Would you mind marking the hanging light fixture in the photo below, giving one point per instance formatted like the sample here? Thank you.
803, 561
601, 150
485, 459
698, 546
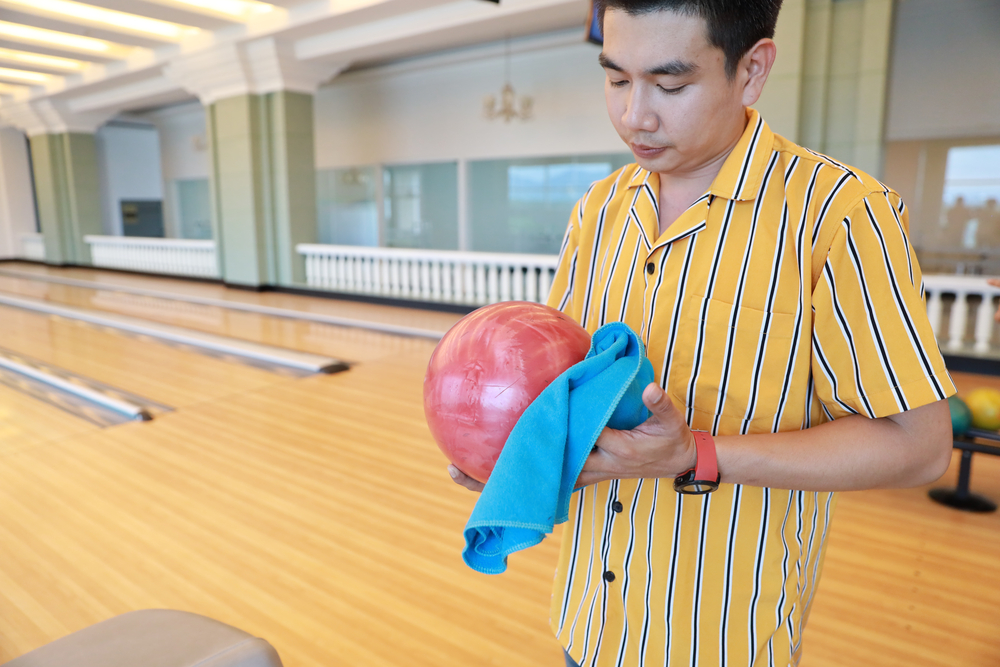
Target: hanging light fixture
508, 106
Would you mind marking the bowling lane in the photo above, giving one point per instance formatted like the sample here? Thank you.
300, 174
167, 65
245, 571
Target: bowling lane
164, 373
26, 421
398, 315
350, 344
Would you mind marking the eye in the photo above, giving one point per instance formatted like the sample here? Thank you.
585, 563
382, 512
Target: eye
617, 84
672, 91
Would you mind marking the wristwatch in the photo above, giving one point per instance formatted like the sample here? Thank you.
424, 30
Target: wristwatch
704, 477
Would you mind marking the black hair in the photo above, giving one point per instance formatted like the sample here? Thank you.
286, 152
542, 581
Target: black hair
734, 26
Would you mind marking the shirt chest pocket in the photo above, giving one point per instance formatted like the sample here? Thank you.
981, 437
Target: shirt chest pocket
730, 361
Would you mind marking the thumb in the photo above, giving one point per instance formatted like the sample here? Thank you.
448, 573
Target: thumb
654, 398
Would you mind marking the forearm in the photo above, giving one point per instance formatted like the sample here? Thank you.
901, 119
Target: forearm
850, 453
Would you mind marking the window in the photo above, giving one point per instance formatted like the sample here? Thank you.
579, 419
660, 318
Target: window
969, 216
523, 205
194, 208
421, 206
346, 207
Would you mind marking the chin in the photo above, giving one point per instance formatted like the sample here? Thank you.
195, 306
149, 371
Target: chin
658, 165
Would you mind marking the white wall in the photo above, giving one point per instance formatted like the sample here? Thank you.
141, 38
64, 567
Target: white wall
17, 204
129, 159
183, 141
431, 109
945, 79
183, 154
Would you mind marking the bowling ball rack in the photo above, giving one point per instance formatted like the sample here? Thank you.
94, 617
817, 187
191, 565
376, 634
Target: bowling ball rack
961, 498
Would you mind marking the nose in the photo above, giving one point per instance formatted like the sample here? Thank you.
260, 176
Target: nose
639, 113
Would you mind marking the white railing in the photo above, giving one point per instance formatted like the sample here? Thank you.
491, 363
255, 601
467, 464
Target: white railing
953, 330
33, 247
960, 308
448, 276
185, 257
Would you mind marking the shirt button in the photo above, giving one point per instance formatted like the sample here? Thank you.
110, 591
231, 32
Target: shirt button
617, 506
609, 576
650, 268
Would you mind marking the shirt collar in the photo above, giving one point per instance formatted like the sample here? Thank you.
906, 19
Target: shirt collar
743, 171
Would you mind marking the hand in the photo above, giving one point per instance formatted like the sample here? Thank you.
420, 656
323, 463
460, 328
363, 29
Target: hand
464, 480
661, 446
995, 283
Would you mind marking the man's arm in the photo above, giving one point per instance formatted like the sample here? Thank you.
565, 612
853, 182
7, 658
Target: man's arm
851, 453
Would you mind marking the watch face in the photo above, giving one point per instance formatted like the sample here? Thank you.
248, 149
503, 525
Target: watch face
697, 487
686, 483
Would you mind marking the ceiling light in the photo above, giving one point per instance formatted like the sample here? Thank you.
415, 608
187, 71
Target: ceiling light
39, 60
105, 17
9, 89
42, 36
237, 8
21, 75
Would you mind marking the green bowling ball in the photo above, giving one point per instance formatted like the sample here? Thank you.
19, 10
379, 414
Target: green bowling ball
961, 416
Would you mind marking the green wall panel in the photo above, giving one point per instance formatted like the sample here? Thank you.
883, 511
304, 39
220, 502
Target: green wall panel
263, 189
68, 191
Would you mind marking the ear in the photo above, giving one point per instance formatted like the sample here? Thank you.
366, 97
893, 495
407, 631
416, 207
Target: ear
756, 65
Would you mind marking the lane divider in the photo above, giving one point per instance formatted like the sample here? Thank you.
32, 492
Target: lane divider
287, 313
278, 356
123, 407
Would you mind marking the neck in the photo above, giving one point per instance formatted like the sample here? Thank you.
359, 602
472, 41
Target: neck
678, 190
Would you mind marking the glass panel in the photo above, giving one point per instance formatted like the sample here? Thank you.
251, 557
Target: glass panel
523, 205
421, 206
346, 207
970, 219
194, 208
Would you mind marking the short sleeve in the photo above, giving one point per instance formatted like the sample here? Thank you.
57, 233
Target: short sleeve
561, 291
874, 352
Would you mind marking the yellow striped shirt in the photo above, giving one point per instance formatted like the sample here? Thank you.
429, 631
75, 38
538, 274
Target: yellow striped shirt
786, 296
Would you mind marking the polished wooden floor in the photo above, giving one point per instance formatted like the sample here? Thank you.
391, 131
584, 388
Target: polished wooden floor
315, 512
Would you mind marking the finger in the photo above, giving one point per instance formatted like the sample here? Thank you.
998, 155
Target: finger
588, 478
462, 479
654, 398
595, 469
597, 460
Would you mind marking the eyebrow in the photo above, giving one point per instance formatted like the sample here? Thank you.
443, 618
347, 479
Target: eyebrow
672, 68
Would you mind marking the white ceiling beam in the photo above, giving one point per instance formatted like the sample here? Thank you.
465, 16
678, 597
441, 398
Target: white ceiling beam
318, 16
133, 96
455, 16
99, 77
259, 67
204, 19
288, 3
51, 117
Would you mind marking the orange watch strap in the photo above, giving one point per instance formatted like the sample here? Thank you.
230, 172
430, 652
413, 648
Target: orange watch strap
707, 465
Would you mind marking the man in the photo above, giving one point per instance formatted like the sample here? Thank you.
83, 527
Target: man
781, 307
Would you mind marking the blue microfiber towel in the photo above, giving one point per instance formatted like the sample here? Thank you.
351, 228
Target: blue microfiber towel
529, 490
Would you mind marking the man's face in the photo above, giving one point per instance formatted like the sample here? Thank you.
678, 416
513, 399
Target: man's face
667, 91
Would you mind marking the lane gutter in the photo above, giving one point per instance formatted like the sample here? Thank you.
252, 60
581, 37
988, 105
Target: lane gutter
312, 363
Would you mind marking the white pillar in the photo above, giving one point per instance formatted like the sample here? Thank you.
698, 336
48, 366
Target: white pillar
463, 205
17, 204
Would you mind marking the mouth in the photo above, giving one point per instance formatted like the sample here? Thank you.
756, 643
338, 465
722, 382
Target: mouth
643, 151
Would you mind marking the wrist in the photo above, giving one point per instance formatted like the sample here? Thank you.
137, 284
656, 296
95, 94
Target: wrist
691, 454
703, 476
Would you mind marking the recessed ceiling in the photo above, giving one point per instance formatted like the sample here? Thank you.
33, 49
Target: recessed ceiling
114, 52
